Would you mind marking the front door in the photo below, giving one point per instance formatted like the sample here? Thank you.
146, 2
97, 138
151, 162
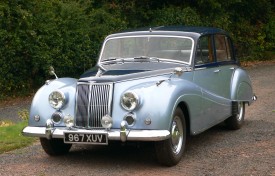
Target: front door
206, 76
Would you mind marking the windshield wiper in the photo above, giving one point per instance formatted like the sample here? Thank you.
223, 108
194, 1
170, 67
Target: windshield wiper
145, 59
113, 60
118, 60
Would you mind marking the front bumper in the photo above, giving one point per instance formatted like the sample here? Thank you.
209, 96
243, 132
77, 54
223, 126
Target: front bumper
113, 134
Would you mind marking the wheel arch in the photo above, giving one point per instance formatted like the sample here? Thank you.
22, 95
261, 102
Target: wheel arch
184, 107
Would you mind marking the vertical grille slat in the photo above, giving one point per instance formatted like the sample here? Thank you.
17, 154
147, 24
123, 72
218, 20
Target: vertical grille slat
98, 107
92, 103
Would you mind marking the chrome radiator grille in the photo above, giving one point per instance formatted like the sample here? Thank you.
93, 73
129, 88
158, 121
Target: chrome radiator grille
93, 101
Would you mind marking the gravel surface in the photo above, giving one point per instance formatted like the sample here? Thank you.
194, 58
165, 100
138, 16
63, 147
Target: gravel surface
10, 109
248, 151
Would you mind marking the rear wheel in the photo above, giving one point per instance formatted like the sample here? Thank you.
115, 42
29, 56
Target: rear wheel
237, 119
170, 151
55, 147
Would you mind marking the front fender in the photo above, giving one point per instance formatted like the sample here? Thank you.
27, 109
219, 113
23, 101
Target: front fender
159, 102
40, 105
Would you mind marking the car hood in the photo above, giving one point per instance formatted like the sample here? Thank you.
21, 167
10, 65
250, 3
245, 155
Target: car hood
122, 72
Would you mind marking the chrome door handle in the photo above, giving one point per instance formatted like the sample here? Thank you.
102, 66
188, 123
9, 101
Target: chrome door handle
217, 71
232, 68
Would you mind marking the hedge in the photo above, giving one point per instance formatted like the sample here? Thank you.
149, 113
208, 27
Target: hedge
67, 34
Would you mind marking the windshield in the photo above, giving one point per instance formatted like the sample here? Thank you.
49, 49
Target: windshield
162, 47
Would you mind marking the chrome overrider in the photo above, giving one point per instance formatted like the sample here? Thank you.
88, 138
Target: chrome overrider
123, 134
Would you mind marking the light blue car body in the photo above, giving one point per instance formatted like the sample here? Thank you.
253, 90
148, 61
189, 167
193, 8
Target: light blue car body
204, 92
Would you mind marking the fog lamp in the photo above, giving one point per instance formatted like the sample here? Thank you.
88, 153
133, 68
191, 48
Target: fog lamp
130, 119
57, 117
107, 121
69, 121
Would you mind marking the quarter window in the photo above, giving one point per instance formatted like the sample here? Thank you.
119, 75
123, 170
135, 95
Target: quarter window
223, 48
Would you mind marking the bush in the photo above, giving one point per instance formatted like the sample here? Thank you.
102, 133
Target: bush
176, 16
38, 34
68, 34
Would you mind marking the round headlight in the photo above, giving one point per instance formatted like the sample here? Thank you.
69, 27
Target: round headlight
57, 99
129, 101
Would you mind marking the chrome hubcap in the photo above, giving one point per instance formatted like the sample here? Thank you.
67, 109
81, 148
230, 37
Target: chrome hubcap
177, 135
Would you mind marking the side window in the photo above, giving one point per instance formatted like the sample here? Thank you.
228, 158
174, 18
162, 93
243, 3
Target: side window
204, 51
223, 48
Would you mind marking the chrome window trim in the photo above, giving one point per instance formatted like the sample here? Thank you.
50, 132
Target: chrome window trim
158, 35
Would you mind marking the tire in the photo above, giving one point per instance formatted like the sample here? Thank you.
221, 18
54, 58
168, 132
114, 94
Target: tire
169, 152
55, 147
236, 121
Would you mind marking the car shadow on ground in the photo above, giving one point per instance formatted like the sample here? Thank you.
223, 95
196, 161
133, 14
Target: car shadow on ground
132, 154
115, 152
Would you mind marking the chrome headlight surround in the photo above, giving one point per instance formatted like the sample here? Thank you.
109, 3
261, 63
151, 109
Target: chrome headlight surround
129, 101
57, 99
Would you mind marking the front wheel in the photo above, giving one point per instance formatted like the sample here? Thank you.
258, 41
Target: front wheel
236, 120
55, 147
170, 151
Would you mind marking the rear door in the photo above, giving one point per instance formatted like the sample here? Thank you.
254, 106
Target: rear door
214, 67
224, 58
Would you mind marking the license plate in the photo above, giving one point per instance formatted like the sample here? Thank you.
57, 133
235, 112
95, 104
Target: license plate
85, 138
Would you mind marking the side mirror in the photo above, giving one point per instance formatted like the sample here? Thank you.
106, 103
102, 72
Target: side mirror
51, 71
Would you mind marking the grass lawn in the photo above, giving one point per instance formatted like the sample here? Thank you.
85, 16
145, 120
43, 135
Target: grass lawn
11, 137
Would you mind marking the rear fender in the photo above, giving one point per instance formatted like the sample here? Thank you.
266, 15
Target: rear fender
241, 87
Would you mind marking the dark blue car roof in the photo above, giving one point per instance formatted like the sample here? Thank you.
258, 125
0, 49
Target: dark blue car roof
191, 31
200, 30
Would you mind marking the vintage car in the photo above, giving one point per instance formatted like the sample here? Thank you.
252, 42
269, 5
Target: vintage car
152, 84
